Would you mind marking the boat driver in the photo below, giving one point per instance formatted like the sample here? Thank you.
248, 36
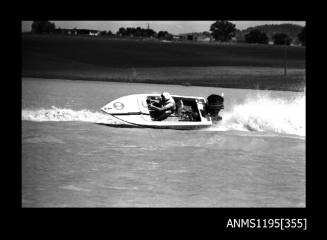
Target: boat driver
164, 108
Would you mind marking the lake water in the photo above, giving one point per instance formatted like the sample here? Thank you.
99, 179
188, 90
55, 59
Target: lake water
255, 157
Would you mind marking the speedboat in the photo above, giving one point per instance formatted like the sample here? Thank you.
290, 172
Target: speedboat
191, 112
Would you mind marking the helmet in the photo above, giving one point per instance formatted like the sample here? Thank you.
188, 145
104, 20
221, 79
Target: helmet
166, 95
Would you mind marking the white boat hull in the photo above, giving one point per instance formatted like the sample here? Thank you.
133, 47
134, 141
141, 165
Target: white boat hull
133, 109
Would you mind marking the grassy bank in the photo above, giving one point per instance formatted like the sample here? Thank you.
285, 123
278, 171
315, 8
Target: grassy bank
236, 66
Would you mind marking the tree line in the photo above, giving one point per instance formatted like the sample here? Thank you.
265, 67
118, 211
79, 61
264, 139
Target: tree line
225, 31
222, 31
40, 27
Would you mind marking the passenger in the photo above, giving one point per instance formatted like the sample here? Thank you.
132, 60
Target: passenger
165, 108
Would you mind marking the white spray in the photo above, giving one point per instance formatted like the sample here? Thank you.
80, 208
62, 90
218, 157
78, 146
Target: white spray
265, 114
260, 113
60, 114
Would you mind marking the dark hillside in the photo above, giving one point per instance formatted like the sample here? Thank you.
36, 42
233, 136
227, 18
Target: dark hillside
131, 53
292, 30
190, 64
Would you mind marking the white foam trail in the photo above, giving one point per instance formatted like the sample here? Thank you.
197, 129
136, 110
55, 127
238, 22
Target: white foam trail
265, 114
260, 113
59, 114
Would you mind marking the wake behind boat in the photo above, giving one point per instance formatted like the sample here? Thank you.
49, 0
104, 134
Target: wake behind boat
190, 113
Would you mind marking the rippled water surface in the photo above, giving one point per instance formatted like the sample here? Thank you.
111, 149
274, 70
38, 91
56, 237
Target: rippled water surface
255, 157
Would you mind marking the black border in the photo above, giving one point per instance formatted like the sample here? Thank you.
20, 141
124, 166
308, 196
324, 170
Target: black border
188, 220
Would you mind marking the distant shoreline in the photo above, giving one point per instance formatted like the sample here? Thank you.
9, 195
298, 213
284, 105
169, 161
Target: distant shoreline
252, 80
228, 66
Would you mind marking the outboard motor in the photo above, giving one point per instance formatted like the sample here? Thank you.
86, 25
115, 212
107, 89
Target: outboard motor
213, 106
